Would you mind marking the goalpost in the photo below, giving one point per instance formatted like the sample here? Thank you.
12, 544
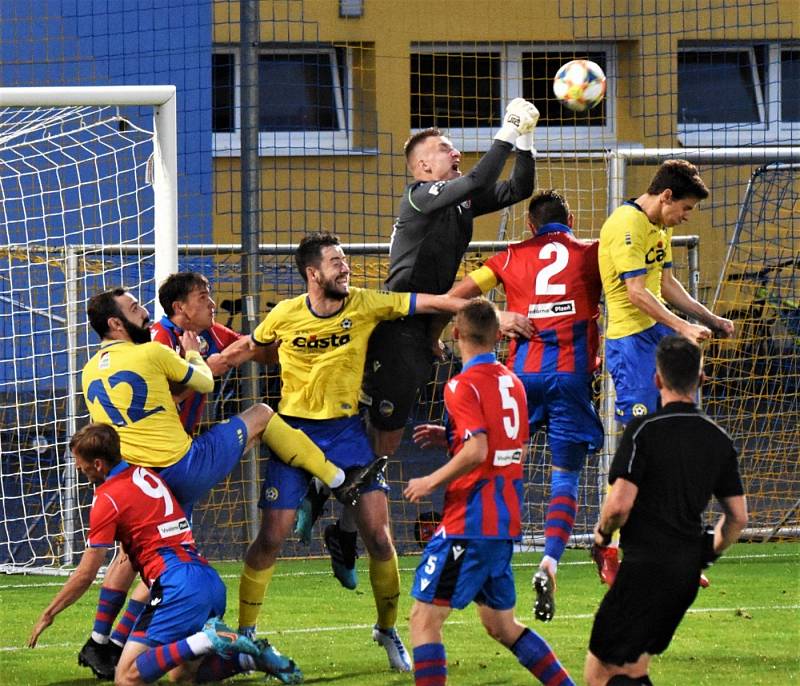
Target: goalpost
83, 166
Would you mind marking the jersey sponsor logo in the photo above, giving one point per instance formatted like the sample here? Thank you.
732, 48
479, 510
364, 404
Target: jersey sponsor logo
458, 551
173, 528
503, 458
436, 188
655, 254
312, 342
546, 310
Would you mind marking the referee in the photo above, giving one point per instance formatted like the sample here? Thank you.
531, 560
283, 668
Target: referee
664, 473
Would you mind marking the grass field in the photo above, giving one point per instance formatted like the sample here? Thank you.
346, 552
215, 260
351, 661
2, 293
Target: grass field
744, 629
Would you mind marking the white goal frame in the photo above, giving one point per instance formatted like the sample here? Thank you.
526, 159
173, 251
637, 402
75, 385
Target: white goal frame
163, 100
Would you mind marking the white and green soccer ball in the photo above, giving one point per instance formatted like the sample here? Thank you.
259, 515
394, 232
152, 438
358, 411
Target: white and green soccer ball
580, 85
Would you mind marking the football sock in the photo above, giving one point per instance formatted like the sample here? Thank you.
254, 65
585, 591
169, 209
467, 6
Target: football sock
536, 656
129, 618
624, 680
430, 665
252, 587
561, 512
296, 449
216, 668
108, 607
156, 662
384, 577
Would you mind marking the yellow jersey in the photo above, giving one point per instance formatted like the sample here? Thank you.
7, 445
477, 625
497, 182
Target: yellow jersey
631, 245
322, 358
127, 385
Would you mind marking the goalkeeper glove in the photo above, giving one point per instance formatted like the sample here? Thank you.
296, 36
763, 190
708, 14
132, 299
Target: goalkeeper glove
525, 143
709, 557
521, 117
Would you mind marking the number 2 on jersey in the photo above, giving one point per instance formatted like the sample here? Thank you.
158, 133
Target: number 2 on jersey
545, 285
97, 391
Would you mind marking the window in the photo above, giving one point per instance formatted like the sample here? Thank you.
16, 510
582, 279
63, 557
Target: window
737, 94
464, 90
303, 101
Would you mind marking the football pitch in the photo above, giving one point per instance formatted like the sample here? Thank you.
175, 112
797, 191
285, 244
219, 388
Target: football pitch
744, 629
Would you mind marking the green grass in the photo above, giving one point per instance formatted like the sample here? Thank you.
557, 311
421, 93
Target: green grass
744, 629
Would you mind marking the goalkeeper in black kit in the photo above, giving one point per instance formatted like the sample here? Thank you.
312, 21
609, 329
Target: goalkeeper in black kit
431, 234
664, 473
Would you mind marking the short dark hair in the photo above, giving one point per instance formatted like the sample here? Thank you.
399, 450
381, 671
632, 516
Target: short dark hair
177, 287
548, 206
681, 177
679, 363
478, 322
309, 252
97, 442
102, 306
417, 138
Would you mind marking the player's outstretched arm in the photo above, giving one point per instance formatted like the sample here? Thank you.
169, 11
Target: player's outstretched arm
434, 304
677, 296
80, 581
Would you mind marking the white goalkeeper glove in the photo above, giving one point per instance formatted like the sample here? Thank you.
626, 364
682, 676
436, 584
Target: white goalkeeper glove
525, 142
520, 118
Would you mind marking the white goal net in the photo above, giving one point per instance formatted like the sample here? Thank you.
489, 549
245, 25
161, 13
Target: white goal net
77, 175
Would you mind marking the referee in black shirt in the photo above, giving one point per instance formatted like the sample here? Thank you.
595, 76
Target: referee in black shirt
664, 473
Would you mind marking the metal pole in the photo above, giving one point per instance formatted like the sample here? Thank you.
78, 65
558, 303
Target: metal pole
251, 225
70, 481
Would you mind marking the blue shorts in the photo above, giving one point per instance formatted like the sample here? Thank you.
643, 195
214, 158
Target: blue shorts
563, 402
181, 600
456, 571
344, 442
631, 361
212, 456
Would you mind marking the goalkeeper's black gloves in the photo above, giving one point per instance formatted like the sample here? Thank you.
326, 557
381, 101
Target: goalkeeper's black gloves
709, 557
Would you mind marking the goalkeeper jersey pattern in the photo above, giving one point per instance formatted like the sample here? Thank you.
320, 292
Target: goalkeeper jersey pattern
135, 507
486, 502
322, 358
553, 279
127, 385
631, 245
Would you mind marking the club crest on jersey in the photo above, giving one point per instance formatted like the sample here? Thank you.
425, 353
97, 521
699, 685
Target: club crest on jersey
271, 494
314, 342
203, 345
347, 324
639, 410
544, 310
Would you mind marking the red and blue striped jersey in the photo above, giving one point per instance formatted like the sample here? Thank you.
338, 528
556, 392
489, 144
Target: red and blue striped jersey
554, 279
486, 398
213, 340
135, 507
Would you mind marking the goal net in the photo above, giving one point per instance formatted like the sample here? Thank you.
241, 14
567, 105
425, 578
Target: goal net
80, 169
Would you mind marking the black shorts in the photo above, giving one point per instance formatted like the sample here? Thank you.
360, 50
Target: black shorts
399, 363
643, 608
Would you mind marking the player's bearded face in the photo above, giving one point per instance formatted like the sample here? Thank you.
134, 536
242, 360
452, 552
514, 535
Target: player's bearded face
138, 333
333, 274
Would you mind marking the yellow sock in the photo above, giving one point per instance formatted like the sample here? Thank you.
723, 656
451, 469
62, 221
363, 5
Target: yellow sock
384, 577
252, 587
294, 448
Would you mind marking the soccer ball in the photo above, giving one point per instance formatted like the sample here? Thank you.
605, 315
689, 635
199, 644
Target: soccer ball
580, 85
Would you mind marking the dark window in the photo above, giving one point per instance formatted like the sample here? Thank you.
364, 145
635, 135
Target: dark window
538, 71
297, 92
716, 87
222, 92
790, 85
455, 90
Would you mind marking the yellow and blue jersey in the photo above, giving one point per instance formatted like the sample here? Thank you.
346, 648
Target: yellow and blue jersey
630, 245
127, 385
322, 358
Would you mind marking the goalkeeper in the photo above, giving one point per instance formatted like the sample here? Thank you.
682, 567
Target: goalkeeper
663, 475
431, 234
